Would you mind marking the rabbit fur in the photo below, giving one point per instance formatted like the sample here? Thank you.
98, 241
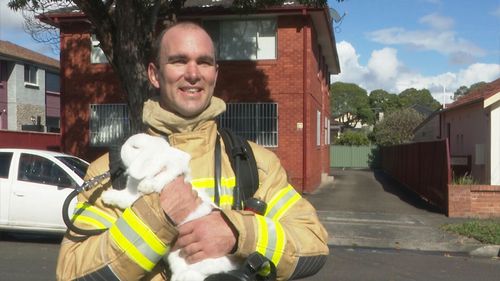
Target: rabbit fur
152, 163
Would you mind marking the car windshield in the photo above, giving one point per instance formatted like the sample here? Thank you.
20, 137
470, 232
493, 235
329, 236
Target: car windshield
75, 164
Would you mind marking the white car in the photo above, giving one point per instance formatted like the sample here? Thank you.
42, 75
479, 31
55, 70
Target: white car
33, 187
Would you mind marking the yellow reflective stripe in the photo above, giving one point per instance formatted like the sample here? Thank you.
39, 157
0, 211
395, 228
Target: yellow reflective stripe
271, 239
262, 234
91, 221
226, 200
229, 182
287, 206
87, 206
145, 232
281, 202
137, 240
226, 192
280, 244
203, 183
89, 214
210, 182
132, 252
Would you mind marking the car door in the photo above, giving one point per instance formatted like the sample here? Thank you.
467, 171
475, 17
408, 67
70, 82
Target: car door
5, 167
38, 193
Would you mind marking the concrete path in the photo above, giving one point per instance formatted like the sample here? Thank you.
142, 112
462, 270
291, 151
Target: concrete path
367, 209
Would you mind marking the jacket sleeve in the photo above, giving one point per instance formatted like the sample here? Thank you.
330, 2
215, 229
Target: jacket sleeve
131, 245
290, 233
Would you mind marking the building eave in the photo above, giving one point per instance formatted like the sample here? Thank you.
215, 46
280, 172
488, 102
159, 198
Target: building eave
491, 100
320, 16
15, 53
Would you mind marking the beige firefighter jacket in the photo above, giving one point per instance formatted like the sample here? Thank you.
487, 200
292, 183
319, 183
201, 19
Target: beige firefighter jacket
131, 248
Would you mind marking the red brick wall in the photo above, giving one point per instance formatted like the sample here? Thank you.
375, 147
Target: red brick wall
82, 84
481, 201
280, 81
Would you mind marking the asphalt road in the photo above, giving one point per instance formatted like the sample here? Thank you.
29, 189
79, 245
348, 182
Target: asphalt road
377, 232
24, 258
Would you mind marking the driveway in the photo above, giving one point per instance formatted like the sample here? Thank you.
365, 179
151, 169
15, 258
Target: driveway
367, 209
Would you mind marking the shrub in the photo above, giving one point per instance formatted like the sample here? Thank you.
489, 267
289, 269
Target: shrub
350, 137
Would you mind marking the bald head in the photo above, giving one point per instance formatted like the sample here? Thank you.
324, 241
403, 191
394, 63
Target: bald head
184, 26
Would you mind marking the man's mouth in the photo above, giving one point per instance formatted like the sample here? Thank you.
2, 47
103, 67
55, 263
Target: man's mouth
191, 90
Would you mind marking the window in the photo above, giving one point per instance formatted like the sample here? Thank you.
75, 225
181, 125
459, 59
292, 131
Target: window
96, 53
52, 83
318, 128
30, 72
5, 160
257, 122
53, 124
327, 130
37, 169
109, 124
243, 39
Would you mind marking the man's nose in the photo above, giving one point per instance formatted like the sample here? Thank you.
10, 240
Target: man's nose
192, 73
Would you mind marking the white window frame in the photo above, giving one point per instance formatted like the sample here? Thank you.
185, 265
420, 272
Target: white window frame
231, 48
318, 128
96, 53
31, 72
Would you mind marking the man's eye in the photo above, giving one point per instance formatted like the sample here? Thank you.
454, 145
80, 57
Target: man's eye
177, 62
206, 63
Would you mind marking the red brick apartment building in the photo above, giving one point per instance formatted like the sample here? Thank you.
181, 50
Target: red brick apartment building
283, 83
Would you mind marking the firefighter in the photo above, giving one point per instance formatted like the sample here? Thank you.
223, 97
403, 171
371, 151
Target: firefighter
289, 234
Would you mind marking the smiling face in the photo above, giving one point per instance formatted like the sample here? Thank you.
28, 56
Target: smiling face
186, 70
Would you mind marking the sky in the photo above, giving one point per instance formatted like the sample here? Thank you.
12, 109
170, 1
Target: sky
438, 45
392, 45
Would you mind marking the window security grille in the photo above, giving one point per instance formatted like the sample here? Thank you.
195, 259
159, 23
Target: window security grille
109, 124
257, 122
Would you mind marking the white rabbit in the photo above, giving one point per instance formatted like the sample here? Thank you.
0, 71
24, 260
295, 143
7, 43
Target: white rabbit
152, 163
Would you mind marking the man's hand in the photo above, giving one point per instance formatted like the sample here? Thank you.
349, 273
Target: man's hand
178, 199
207, 237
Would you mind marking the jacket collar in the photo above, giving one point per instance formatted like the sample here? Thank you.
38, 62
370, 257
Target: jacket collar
165, 122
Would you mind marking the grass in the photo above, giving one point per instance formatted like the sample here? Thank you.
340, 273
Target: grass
485, 231
466, 179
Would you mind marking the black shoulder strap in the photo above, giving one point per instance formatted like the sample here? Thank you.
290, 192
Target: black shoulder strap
244, 166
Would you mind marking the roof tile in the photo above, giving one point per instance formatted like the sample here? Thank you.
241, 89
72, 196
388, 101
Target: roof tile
9, 49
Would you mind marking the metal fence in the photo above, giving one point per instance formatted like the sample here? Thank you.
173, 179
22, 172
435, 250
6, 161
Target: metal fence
257, 122
343, 156
109, 124
423, 167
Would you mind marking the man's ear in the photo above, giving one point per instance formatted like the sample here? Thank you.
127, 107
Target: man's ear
153, 75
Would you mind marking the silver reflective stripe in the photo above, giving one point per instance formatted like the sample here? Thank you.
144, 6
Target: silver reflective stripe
307, 266
137, 240
102, 274
290, 193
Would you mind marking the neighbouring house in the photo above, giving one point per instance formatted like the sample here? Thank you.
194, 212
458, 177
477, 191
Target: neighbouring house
472, 126
276, 89
29, 90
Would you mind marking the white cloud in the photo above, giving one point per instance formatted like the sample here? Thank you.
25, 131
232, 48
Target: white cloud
385, 71
439, 37
384, 64
437, 21
9, 19
496, 12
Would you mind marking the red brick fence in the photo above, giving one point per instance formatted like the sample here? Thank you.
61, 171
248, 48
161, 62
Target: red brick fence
473, 201
425, 169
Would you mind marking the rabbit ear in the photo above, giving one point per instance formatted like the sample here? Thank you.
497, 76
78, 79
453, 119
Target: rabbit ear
141, 152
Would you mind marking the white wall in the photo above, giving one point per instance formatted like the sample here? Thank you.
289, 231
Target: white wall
469, 127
